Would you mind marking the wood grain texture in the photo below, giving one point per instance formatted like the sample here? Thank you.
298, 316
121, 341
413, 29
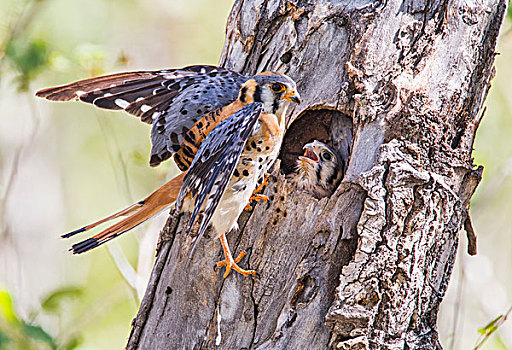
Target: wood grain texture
368, 267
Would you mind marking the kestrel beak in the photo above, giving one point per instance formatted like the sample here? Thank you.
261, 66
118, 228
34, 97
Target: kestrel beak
309, 155
292, 96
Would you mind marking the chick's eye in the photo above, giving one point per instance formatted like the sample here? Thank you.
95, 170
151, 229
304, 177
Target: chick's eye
326, 155
276, 87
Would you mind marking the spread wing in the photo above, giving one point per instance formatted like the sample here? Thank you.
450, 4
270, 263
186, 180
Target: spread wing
213, 166
173, 100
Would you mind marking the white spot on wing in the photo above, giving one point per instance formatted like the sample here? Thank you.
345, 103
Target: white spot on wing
174, 75
80, 93
108, 94
121, 103
145, 108
139, 99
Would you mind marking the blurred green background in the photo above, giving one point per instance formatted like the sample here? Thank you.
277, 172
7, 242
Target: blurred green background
64, 165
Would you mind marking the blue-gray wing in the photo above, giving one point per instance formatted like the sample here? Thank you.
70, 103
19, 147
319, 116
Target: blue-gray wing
214, 163
209, 93
172, 99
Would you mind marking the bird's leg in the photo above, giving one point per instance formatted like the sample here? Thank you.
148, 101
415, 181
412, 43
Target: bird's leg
255, 194
230, 262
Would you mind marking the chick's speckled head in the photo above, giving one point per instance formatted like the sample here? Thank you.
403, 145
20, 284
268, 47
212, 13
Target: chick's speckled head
319, 170
274, 90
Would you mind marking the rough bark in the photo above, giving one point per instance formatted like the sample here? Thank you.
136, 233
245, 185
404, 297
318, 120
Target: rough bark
398, 88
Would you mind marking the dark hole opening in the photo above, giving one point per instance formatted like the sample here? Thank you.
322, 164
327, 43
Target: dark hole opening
286, 57
331, 127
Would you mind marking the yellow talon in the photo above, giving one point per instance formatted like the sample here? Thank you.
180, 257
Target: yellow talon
258, 197
231, 263
248, 207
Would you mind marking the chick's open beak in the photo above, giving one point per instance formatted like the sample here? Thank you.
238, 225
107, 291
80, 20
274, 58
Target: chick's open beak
292, 96
309, 155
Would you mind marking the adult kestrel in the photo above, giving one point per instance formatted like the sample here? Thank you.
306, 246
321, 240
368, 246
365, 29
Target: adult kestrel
223, 128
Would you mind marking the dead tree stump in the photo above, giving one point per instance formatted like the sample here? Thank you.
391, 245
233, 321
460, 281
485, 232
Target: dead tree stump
397, 87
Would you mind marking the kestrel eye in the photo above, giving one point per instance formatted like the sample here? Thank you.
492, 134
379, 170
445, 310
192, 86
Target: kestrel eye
326, 155
276, 87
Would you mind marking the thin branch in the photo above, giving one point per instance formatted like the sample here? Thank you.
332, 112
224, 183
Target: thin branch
34, 115
130, 275
109, 134
8, 188
492, 327
471, 235
125, 268
458, 303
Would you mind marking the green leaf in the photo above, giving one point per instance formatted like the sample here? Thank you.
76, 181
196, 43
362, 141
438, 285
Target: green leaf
36, 332
490, 327
73, 343
53, 302
6, 307
4, 340
28, 57
138, 158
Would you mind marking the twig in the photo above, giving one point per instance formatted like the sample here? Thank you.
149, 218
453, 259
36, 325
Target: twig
130, 275
17, 26
8, 188
493, 328
15, 167
458, 303
125, 268
106, 129
470, 234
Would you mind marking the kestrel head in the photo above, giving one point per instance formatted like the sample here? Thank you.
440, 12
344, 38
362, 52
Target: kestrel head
274, 90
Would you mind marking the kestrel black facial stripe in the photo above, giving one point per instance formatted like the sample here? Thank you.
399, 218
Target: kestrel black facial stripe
318, 173
257, 94
333, 176
243, 92
275, 104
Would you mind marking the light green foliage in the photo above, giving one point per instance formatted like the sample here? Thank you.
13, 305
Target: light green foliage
490, 327
19, 334
28, 58
82, 163
24, 53
53, 302
6, 307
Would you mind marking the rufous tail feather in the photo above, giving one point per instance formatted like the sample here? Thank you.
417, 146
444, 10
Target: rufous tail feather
138, 213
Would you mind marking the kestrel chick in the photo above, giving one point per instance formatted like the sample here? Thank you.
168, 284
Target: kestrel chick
319, 170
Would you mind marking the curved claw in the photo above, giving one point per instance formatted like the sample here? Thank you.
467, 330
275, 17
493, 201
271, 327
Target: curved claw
256, 198
230, 262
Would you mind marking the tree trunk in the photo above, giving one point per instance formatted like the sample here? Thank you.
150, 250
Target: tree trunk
397, 87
